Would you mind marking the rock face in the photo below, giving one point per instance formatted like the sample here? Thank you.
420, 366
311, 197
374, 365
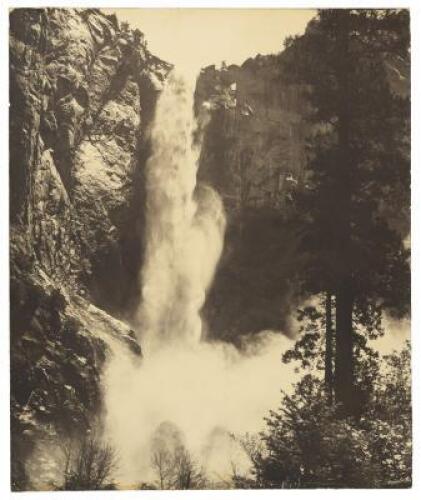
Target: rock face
82, 92
254, 155
254, 147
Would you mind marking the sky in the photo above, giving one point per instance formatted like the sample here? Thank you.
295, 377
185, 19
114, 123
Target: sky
194, 38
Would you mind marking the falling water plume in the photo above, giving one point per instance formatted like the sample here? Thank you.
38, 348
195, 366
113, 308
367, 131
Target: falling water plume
206, 391
184, 225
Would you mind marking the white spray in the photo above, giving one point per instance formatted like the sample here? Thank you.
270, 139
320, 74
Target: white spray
184, 226
205, 390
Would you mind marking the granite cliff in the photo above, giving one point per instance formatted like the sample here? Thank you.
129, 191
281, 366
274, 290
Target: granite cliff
82, 92
254, 155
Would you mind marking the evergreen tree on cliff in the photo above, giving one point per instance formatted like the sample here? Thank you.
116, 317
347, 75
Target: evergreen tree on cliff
355, 205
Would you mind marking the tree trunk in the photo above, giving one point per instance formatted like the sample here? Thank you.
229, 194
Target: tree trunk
344, 364
329, 348
344, 360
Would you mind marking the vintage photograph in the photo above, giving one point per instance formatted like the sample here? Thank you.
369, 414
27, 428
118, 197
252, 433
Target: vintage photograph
210, 283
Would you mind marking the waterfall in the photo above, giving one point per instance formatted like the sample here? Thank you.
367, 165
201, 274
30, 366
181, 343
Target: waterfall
184, 386
185, 225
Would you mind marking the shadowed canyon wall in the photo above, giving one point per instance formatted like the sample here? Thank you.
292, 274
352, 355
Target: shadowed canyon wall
254, 155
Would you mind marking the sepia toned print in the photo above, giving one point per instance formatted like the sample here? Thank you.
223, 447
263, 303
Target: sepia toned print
210, 249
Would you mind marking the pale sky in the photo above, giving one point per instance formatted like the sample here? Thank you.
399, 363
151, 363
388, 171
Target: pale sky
193, 38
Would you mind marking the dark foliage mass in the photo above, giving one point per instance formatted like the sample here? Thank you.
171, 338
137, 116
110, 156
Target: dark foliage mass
352, 429
307, 443
354, 209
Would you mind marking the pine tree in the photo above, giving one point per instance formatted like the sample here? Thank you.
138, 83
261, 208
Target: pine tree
352, 64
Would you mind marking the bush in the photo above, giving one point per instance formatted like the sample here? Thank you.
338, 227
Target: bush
172, 462
89, 465
307, 444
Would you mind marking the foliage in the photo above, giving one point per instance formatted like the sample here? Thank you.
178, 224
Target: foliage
172, 462
377, 126
309, 349
306, 444
89, 464
354, 209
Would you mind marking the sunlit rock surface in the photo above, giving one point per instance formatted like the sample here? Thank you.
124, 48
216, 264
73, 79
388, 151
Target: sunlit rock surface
82, 92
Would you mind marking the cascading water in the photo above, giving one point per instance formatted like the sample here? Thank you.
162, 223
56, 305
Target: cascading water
184, 225
205, 391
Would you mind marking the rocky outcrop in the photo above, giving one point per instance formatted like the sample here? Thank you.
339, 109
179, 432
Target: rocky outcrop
254, 150
254, 155
82, 92
79, 85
